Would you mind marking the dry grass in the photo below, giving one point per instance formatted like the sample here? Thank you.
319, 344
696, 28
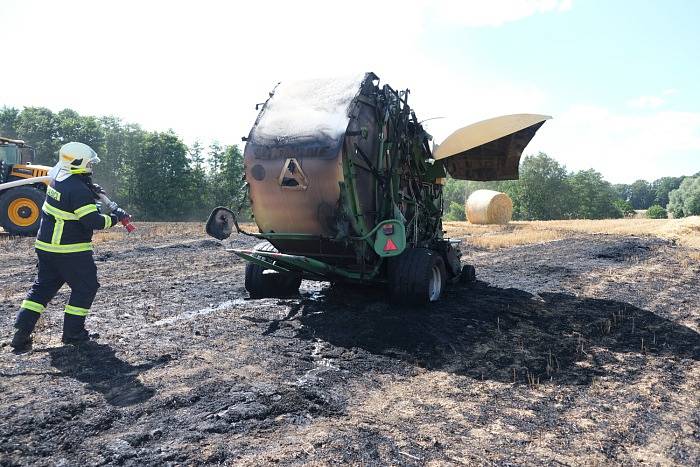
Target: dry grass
154, 231
516, 237
502, 236
161, 232
685, 231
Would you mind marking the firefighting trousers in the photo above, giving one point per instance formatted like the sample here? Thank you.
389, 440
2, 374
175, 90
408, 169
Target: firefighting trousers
78, 270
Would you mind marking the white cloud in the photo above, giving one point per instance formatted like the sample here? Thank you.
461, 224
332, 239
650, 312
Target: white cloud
200, 69
646, 102
495, 12
463, 99
623, 146
652, 101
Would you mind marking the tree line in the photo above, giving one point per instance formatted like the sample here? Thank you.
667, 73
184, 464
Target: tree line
154, 175
547, 191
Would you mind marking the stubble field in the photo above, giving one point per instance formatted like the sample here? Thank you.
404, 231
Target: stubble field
578, 344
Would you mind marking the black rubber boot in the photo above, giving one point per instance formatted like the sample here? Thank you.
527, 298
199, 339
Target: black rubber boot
25, 322
74, 331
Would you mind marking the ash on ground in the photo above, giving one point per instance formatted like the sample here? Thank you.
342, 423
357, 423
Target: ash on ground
582, 350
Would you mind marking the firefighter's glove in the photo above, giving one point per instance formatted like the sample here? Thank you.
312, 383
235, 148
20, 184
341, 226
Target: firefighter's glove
121, 214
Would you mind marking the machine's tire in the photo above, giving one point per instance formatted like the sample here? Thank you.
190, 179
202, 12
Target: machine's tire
262, 284
417, 276
468, 274
20, 210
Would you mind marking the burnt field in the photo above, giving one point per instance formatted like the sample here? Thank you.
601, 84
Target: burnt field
579, 350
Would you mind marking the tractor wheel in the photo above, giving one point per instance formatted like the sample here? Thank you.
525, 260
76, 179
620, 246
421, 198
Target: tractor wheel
20, 210
262, 283
417, 276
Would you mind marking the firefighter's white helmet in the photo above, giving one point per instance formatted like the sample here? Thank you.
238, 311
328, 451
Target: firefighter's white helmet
77, 158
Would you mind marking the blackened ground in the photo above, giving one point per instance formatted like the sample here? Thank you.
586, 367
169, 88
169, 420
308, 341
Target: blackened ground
582, 350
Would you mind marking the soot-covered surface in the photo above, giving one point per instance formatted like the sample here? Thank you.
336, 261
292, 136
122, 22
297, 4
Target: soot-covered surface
583, 350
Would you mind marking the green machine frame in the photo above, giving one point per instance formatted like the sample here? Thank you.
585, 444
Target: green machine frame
407, 187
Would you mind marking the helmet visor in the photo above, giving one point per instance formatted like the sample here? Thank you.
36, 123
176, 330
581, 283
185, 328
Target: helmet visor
91, 163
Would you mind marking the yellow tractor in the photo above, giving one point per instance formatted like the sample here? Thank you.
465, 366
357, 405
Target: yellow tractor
22, 188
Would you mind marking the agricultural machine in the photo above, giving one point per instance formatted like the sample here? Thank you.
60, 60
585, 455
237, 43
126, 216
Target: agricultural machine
345, 187
22, 188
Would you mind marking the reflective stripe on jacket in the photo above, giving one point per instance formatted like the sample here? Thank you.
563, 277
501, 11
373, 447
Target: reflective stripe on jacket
69, 216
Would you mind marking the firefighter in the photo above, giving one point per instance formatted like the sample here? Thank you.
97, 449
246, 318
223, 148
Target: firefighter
64, 246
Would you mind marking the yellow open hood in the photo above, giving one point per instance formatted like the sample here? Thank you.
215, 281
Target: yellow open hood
490, 149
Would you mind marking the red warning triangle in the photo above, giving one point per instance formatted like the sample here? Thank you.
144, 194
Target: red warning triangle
390, 245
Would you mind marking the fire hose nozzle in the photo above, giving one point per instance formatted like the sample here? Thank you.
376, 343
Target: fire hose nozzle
126, 222
128, 225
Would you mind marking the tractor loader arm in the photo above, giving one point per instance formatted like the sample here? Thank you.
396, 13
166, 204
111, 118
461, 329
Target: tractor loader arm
25, 181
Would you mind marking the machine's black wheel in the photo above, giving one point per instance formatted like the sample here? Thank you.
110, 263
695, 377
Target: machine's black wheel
468, 274
261, 282
20, 210
417, 276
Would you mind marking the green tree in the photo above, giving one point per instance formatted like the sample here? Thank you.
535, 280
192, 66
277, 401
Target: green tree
685, 201
234, 171
39, 127
122, 147
455, 212
196, 155
512, 189
202, 196
663, 186
625, 209
162, 178
593, 197
227, 183
641, 194
153, 174
622, 191
8, 122
454, 191
543, 191
656, 212
73, 127
215, 157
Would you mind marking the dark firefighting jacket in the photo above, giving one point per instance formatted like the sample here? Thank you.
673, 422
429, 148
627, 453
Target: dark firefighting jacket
69, 216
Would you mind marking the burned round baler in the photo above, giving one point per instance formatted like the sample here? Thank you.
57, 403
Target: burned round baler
344, 186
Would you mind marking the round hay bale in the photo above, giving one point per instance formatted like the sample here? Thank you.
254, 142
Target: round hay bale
489, 207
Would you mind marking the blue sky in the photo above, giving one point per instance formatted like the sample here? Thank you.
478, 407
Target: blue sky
619, 77
598, 51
